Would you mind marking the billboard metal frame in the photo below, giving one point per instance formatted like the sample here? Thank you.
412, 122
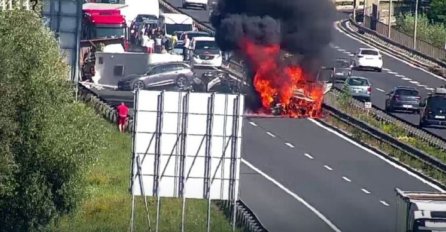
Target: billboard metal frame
231, 140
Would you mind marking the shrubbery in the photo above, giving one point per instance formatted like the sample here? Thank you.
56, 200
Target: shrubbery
47, 141
434, 33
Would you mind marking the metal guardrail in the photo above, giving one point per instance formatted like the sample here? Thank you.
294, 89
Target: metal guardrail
404, 41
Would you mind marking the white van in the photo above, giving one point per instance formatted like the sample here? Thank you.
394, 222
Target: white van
205, 52
200, 3
172, 23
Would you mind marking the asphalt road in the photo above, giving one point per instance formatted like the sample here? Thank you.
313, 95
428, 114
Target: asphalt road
298, 176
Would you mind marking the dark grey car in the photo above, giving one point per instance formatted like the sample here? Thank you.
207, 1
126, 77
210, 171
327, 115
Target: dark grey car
403, 99
433, 109
342, 68
163, 74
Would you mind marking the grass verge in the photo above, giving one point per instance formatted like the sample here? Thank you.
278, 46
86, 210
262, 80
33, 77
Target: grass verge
343, 104
107, 206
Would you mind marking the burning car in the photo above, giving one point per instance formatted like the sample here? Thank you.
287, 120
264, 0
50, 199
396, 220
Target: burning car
216, 81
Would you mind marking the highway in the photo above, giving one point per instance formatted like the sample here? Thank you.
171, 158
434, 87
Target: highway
298, 175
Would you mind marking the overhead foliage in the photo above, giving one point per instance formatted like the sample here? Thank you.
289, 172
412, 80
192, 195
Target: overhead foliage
434, 33
437, 11
47, 141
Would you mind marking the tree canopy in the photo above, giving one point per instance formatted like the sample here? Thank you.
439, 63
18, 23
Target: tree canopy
47, 140
437, 11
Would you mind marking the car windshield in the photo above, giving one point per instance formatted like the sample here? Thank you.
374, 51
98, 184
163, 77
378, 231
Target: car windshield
108, 32
358, 82
172, 28
369, 52
342, 64
207, 45
146, 18
193, 35
437, 102
406, 92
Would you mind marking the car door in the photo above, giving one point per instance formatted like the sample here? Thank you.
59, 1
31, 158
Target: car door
155, 76
389, 97
171, 73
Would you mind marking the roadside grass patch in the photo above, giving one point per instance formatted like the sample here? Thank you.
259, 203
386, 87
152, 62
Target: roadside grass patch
107, 205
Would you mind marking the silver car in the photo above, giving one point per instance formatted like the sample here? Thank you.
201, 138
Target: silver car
163, 74
359, 87
342, 68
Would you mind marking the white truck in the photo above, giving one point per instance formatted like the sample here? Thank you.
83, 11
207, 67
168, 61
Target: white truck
420, 211
174, 23
133, 8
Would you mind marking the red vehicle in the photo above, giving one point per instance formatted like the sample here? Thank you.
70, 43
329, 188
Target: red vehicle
102, 22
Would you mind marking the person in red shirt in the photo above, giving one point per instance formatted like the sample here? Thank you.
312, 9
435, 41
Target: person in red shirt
123, 113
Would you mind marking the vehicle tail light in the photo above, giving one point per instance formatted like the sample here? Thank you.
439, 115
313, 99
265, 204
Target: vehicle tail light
126, 45
429, 111
380, 58
418, 98
397, 97
369, 89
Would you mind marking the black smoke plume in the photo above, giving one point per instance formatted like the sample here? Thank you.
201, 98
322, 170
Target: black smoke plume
301, 27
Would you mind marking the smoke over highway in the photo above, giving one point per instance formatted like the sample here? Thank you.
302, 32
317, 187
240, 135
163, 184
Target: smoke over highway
265, 32
299, 26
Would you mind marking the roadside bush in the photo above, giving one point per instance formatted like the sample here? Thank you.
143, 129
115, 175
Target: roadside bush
47, 141
434, 33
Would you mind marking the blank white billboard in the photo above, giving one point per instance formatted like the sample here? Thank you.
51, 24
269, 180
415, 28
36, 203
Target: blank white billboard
198, 144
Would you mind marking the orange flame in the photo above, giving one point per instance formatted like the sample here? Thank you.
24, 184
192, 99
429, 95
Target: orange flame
285, 86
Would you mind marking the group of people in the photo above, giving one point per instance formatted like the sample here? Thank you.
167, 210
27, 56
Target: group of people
153, 39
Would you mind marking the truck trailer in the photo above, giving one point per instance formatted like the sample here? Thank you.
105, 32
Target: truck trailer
420, 211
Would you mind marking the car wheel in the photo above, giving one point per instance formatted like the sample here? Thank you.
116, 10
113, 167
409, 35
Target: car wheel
181, 81
379, 70
388, 109
138, 85
205, 7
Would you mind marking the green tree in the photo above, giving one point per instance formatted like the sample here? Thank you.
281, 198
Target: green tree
437, 11
47, 141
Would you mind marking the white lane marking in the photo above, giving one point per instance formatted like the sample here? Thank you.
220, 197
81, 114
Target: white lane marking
341, 49
386, 69
346, 179
253, 123
309, 156
271, 134
430, 89
289, 145
406, 79
365, 191
384, 203
392, 72
390, 55
294, 195
380, 90
328, 167
395, 165
415, 82
400, 75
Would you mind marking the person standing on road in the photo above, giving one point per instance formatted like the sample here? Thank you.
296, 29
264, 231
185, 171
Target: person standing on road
123, 113
186, 47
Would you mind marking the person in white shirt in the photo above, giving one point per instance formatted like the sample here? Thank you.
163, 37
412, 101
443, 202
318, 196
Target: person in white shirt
186, 47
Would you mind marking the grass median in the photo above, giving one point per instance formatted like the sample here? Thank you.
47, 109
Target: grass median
107, 206
343, 103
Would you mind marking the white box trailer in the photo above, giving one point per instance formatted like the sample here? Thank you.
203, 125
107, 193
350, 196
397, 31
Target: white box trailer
112, 67
420, 211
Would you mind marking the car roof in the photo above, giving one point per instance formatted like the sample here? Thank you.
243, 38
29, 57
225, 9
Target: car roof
204, 38
369, 49
406, 87
358, 77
